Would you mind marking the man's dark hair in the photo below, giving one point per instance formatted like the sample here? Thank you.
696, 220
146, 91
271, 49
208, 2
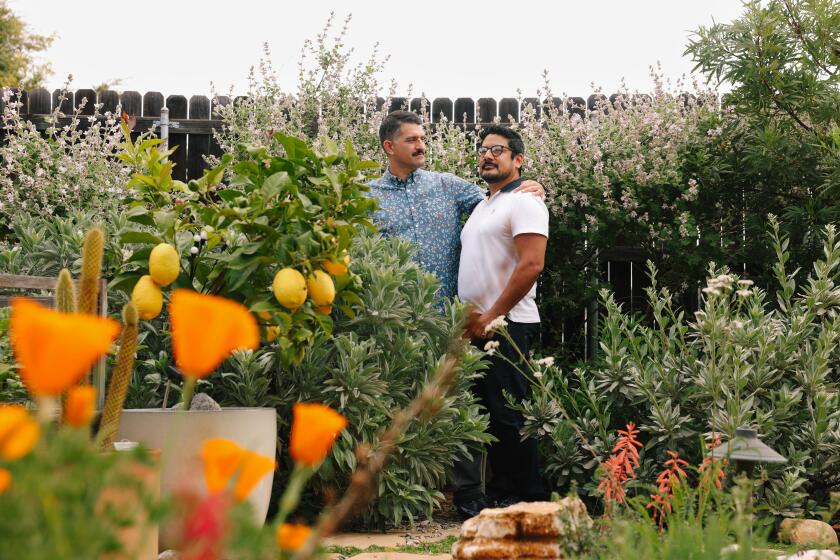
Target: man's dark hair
515, 143
392, 122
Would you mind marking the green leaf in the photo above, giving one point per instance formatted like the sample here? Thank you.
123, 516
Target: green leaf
276, 184
140, 237
165, 222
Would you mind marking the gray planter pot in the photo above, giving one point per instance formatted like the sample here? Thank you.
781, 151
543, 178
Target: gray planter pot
179, 436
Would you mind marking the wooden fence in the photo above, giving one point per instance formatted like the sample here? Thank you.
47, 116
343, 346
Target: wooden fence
195, 121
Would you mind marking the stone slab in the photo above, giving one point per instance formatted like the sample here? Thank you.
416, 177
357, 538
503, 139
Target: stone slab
391, 539
399, 556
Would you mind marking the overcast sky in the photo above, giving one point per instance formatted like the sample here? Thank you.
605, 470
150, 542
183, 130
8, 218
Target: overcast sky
445, 48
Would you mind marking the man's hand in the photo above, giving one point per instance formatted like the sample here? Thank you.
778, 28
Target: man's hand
477, 324
531, 186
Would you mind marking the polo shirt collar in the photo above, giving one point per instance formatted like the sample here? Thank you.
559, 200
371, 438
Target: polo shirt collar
396, 182
509, 187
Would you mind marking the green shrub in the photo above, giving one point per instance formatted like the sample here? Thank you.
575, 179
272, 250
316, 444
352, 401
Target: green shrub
377, 361
739, 361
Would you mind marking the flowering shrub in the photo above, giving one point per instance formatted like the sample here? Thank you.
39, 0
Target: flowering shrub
621, 175
739, 361
333, 100
71, 169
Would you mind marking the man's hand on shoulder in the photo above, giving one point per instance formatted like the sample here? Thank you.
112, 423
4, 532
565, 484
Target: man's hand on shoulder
532, 187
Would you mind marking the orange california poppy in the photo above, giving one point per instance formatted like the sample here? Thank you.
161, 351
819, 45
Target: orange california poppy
291, 536
5, 480
56, 349
79, 409
314, 429
18, 432
221, 458
254, 468
206, 329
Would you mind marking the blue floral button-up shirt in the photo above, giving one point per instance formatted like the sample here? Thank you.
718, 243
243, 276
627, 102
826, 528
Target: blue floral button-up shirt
426, 210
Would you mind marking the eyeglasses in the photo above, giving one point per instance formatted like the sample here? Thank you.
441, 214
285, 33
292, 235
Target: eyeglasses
495, 150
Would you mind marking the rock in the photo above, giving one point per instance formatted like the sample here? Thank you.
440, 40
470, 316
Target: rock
203, 401
504, 549
169, 555
200, 401
807, 531
811, 555
523, 530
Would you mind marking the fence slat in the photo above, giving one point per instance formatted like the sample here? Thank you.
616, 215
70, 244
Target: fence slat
152, 103
178, 109
552, 104
199, 144
509, 107
109, 100
487, 109
618, 100
88, 97
132, 103
464, 110
63, 99
218, 101
534, 104
441, 108
40, 102
597, 101
419, 104
397, 104
576, 106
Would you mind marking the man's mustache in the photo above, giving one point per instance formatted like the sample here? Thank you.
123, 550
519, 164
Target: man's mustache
418, 153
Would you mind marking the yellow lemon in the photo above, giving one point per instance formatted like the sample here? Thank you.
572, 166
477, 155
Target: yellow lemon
321, 288
271, 333
147, 298
289, 288
324, 309
337, 268
164, 264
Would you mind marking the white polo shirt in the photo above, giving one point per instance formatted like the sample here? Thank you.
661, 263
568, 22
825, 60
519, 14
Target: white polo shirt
488, 253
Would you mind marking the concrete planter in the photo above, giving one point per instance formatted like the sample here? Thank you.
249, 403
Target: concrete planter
179, 436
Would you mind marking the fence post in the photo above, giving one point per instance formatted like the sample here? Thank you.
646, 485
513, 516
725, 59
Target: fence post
199, 144
163, 123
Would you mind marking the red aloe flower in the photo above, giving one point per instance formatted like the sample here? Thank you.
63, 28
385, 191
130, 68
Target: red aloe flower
619, 467
667, 480
711, 470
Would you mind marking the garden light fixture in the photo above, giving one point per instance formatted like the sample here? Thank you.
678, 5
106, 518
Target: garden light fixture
746, 450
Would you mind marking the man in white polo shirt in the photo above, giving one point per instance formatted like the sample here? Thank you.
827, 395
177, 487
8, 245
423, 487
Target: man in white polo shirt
502, 255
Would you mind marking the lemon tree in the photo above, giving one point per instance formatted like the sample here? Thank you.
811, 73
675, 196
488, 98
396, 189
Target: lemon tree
270, 231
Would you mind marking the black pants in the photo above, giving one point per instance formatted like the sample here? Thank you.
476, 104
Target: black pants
514, 464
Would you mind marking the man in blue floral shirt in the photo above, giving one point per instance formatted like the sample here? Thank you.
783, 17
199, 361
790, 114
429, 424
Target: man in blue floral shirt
424, 207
